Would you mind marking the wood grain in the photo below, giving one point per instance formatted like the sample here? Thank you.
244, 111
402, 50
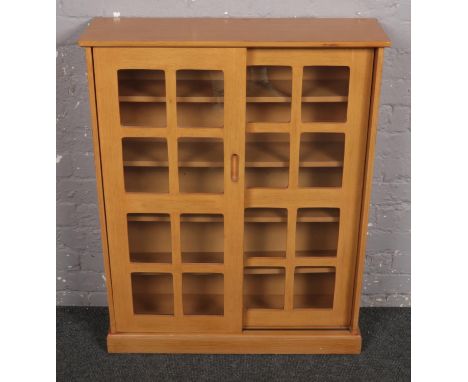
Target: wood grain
248, 342
212, 32
100, 186
367, 184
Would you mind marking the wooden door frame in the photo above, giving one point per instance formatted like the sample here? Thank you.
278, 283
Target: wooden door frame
347, 198
232, 62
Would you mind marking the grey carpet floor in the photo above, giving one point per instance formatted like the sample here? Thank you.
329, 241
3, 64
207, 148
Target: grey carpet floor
82, 356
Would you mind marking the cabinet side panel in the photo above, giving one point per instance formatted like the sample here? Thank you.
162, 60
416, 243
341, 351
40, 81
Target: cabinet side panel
367, 184
99, 183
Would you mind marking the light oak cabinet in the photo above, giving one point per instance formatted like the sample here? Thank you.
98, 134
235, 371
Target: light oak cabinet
234, 164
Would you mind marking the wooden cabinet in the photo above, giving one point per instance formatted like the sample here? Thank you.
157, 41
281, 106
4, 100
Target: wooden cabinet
234, 164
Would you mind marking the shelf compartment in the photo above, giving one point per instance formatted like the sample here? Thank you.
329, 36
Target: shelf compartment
325, 82
149, 241
143, 114
201, 152
202, 238
318, 215
314, 287
321, 150
317, 239
152, 293
320, 177
264, 288
266, 177
201, 165
141, 84
200, 114
200, 83
203, 293
201, 180
265, 238
267, 150
324, 112
325, 94
267, 160
144, 152
200, 101
265, 215
269, 81
270, 112
146, 179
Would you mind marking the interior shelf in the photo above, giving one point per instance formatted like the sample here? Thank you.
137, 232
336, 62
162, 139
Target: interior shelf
316, 253
265, 254
262, 151
279, 271
318, 215
203, 257
151, 257
199, 218
277, 215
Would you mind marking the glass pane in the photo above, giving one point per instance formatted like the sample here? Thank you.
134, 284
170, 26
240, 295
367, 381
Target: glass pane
317, 232
269, 94
203, 293
201, 165
267, 160
142, 97
321, 159
200, 98
145, 165
264, 288
265, 232
149, 238
152, 293
325, 93
202, 238
314, 287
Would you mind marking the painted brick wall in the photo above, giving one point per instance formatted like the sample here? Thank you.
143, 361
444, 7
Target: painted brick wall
80, 278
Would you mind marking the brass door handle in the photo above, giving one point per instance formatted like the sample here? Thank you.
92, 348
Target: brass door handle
234, 167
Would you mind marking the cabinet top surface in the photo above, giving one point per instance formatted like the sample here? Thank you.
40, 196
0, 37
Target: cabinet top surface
305, 32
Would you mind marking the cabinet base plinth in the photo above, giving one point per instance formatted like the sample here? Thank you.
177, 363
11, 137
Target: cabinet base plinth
247, 342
